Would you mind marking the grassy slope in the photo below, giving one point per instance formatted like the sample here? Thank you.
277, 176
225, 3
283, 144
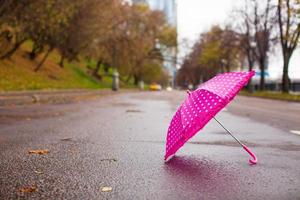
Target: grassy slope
273, 95
18, 74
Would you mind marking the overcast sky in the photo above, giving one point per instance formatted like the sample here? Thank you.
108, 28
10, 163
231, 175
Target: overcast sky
196, 16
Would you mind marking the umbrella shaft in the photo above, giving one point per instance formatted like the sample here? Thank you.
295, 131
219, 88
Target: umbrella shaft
229, 132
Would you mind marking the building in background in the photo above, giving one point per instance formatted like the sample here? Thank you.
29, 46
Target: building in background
169, 8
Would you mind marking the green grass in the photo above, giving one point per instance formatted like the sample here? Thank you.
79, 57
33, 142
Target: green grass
17, 74
273, 95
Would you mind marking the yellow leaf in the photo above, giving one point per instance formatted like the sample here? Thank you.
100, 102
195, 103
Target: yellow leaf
39, 151
28, 189
106, 189
38, 172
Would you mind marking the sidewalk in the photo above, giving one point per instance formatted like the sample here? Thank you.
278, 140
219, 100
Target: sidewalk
51, 96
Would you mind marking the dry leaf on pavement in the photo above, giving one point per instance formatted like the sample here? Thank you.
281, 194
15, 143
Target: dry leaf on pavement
28, 189
38, 172
106, 189
66, 139
109, 159
39, 151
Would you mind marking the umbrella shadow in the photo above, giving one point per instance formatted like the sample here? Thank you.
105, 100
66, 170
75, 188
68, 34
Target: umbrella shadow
199, 173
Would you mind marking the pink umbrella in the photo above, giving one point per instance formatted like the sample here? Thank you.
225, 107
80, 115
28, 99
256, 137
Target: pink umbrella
201, 106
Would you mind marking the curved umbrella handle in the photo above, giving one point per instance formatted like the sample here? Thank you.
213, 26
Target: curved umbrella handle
251, 161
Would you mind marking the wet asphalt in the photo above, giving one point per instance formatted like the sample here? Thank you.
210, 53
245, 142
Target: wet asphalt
118, 141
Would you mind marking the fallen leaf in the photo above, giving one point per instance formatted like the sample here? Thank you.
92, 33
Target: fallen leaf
109, 159
39, 151
66, 139
38, 172
106, 189
28, 189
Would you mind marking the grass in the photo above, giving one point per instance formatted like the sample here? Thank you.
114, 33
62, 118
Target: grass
18, 74
273, 95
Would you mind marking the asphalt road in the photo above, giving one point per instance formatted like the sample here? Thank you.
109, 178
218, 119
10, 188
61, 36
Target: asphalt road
118, 141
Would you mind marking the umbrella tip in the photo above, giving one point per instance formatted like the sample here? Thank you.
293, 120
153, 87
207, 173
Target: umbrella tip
168, 158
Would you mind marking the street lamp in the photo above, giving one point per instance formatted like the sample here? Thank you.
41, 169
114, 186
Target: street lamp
115, 80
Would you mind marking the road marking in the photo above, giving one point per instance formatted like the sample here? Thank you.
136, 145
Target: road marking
295, 132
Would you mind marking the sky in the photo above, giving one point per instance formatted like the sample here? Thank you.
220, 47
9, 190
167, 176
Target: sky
196, 16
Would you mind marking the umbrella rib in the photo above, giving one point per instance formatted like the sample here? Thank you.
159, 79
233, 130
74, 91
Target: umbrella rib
229, 132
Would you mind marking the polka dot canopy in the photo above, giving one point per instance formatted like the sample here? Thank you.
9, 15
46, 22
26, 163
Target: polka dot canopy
201, 106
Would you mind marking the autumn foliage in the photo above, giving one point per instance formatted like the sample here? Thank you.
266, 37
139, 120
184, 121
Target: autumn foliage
112, 33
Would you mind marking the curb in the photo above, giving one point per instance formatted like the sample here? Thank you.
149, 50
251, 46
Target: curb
52, 96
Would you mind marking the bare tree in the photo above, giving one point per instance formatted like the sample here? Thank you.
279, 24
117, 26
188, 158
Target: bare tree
256, 30
245, 31
289, 26
11, 28
264, 22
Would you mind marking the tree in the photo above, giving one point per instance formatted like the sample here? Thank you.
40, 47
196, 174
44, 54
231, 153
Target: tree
217, 50
256, 33
45, 27
11, 26
264, 22
48, 25
95, 28
145, 28
112, 33
289, 27
245, 32
192, 71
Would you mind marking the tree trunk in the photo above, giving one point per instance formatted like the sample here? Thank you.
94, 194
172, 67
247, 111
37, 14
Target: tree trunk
106, 68
285, 75
8, 54
223, 68
228, 68
32, 54
61, 62
136, 80
128, 78
96, 70
250, 86
35, 51
262, 75
43, 60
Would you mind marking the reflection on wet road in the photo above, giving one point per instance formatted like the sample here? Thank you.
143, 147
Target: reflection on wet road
117, 142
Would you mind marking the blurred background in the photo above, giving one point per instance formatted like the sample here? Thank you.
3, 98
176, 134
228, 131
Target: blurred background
147, 43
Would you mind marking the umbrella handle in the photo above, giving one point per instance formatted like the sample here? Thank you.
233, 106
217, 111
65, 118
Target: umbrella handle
251, 161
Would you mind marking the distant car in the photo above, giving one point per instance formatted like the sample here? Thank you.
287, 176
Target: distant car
169, 89
155, 87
